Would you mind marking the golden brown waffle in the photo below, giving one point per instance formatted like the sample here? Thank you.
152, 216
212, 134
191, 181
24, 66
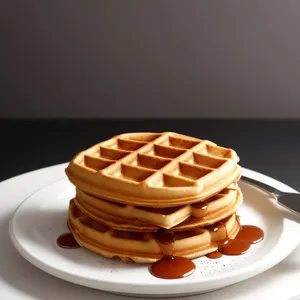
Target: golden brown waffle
135, 218
141, 247
154, 170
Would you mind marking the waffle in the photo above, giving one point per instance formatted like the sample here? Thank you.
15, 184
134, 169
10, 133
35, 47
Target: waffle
142, 247
135, 218
154, 169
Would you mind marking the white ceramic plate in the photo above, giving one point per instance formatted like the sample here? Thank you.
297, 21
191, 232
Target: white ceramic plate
41, 218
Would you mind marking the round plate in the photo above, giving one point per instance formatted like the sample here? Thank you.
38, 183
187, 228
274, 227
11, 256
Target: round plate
42, 217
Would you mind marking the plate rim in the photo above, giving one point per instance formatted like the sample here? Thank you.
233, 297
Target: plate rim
234, 275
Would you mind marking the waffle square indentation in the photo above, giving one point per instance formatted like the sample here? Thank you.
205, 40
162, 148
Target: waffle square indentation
148, 161
181, 143
96, 163
112, 154
134, 173
163, 151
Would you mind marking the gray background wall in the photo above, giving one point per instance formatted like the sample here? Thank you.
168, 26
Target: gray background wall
150, 58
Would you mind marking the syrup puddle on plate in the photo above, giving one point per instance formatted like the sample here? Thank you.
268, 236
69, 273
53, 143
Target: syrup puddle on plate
67, 241
174, 267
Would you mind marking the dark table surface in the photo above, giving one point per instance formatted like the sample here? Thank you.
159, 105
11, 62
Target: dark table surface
267, 146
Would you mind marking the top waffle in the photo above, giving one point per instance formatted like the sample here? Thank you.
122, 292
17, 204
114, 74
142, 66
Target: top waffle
154, 169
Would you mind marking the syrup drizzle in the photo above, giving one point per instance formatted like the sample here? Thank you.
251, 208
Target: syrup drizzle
201, 208
248, 234
201, 205
234, 247
251, 234
67, 241
170, 267
214, 255
166, 240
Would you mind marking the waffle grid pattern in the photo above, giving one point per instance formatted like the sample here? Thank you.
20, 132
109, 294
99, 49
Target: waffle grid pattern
156, 160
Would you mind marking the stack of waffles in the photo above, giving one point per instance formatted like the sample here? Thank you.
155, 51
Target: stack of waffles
135, 185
